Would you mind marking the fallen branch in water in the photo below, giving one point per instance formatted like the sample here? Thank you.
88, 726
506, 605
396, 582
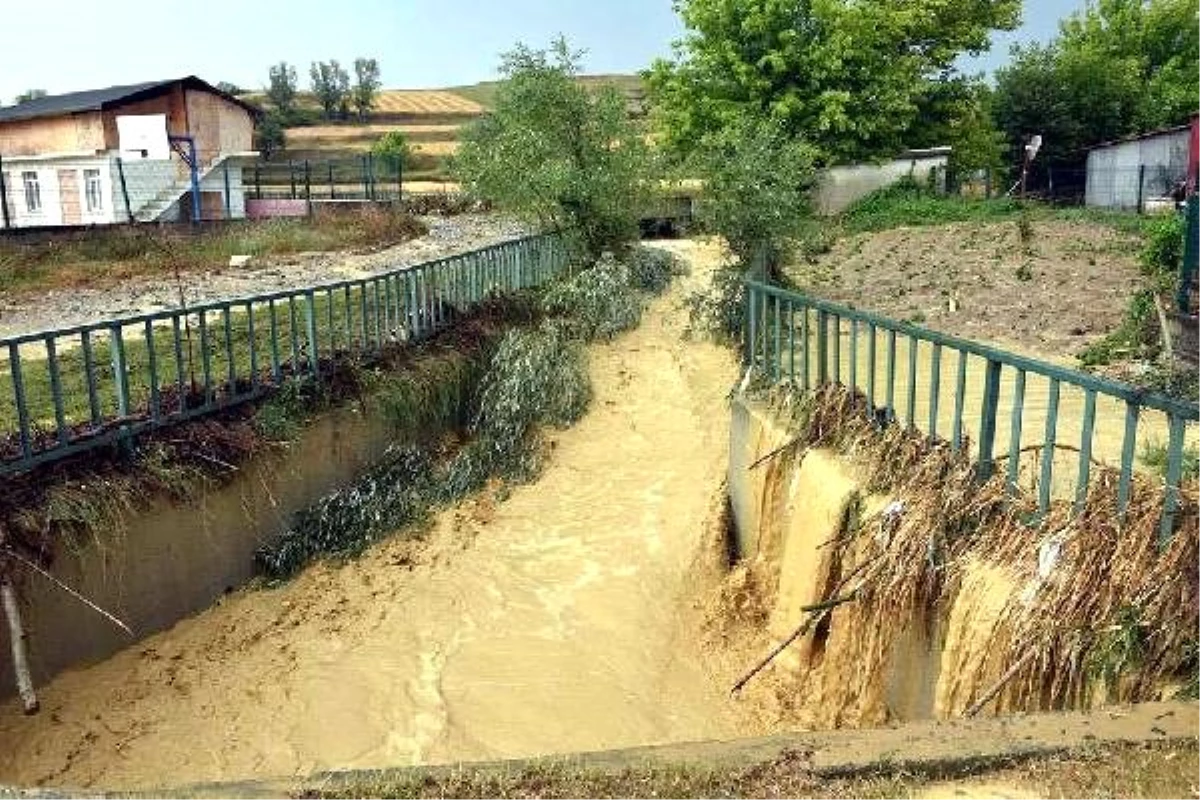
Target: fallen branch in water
776, 452
816, 612
68, 590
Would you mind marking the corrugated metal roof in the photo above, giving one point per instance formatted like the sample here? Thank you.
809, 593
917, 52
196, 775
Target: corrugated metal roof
1146, 135
97, 99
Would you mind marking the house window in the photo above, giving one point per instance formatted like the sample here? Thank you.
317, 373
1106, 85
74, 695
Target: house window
33, 192
92, 193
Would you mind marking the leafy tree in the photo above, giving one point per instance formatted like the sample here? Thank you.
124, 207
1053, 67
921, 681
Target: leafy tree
557, 154
757, 182
29, 94
230, 88
281, 87
269, 135
1117, 67
847, 76
392, 150
331, 86
957, 112
366, 85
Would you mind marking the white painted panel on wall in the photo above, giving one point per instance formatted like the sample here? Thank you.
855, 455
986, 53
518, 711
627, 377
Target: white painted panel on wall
143, 136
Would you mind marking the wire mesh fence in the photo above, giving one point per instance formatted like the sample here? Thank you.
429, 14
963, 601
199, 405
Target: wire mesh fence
190, 186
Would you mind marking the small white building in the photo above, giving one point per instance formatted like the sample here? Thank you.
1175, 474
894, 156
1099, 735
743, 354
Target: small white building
1135, 172
126, 153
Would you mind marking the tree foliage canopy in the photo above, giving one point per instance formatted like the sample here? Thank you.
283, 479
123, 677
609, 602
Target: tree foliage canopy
848, 76
331, 87
756, 186
281, 87
556, 153
1117, 67
366, 85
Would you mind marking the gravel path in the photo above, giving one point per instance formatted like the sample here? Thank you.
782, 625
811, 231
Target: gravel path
65, 307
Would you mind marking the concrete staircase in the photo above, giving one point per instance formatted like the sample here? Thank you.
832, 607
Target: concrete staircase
167, 197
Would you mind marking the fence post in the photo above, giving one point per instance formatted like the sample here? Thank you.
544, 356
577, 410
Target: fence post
332, 191
399, 179
308, 186
292, 177
124, 187
1141, 185
366, 184
987, 184
1191, 254
257, 182
987, 423
4, 196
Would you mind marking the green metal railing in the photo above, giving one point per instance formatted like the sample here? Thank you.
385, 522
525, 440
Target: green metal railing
71, 389
945, 385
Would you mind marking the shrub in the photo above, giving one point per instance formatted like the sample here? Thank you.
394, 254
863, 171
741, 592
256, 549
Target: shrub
598, 302
393, 151
757, 182
556, 153
651, 269
395, 492
537, 377
1163, 252
718, 310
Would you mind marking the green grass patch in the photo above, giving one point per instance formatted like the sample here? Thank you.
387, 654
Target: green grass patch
908, 204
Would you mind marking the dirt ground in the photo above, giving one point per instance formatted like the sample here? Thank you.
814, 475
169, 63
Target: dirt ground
31, 311
552, 621
1065, 286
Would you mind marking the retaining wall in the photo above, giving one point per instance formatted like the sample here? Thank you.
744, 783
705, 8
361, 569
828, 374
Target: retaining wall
174, 560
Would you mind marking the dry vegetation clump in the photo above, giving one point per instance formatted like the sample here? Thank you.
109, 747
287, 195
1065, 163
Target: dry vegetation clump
1090, 608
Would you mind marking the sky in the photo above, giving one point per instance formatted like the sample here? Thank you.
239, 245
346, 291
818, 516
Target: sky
419, 43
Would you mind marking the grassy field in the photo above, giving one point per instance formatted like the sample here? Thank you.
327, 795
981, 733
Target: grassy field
1134, 771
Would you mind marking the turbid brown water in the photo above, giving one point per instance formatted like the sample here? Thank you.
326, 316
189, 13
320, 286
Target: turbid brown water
552, 621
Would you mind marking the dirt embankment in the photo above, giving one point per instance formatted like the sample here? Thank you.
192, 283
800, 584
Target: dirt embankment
1048, 292
32, 311
555, 620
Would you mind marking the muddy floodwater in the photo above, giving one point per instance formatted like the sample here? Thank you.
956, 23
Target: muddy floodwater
554, 620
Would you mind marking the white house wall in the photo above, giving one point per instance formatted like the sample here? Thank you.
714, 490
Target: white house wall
51, 192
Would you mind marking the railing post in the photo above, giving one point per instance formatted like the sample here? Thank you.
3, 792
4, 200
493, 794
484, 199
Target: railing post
749, 330
987, 423
1141, 179
1174, 476
18, 383
228, 192
1191, 255
822, 347
310, 314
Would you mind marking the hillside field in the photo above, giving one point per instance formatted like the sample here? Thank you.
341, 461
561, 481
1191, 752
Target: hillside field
431, 119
